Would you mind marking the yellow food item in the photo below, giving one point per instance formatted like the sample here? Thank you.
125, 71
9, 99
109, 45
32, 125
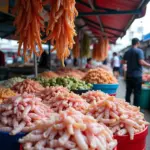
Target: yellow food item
5, 93
28, 24
61, 27
99, 76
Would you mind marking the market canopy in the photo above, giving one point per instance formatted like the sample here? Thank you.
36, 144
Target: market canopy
97, 17
109, 18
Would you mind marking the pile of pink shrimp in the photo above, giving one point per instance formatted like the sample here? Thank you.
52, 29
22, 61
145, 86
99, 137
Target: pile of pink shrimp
64, 101
51, 92
60, 99
71, 130
121, 117
21, 112
28, 86
94, 96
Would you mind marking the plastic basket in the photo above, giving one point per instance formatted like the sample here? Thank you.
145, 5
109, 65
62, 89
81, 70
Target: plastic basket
138, 143
9, 142
106, 88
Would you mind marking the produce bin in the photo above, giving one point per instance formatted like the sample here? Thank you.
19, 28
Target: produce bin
9, 142
106, 88
138, 143
144, 101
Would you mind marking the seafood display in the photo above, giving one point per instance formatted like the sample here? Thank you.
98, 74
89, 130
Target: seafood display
28, 86
59, 101
21, 112
121, 117
71, 130
51, 92
100, 76
94, 96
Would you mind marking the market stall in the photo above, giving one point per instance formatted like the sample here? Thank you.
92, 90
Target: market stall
45, 113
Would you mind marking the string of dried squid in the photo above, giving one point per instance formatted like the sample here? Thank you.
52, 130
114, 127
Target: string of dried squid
28, 24
100, 50
61, 26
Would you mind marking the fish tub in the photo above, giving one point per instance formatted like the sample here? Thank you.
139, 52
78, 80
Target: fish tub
106, 88
10, 142
138, 143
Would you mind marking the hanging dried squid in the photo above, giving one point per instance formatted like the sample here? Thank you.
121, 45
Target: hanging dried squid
28, 24
61, 26
100, 50
76, 48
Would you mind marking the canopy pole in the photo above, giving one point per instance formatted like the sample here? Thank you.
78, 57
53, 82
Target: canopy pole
49, 55
35, 66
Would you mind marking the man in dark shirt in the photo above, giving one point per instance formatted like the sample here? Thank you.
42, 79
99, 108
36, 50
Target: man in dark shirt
134, 58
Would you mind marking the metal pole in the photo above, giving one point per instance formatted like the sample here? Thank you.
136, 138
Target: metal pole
49, 54
35, 66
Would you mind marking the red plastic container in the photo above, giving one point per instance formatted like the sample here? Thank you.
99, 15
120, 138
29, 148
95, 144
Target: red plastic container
21, 148
139, 142
113, 94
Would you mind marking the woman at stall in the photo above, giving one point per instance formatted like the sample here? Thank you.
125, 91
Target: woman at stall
89, 63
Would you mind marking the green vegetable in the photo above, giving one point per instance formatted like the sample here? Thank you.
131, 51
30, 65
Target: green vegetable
69, 82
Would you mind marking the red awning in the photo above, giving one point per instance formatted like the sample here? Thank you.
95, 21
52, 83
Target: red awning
109, 17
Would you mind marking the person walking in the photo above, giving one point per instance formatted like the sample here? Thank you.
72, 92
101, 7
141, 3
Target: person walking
134, 58
116, 65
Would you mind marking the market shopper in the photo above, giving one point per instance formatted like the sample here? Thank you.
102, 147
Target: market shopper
116, 64
134, 58
89, 63
44, 60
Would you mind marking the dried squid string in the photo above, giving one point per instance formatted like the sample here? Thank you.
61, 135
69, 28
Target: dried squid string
28, 24
100, 50
61, 26
76, 48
